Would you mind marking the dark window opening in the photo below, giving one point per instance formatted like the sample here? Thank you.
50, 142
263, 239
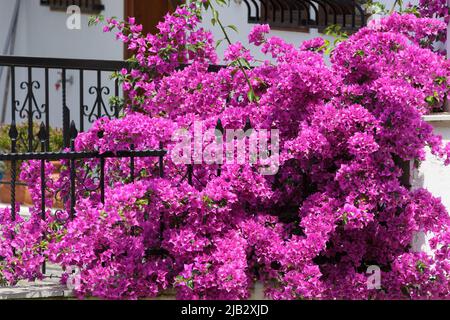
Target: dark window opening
301, 15
86, 6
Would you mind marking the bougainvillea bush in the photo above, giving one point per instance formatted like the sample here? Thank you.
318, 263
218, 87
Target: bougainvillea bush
335, 207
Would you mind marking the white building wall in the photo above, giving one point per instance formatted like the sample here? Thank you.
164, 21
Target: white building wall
43, 32
432, 174
6, 12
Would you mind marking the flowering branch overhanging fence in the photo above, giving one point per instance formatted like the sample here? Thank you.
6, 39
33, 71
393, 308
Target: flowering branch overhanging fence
32, 97
32, 145
27, 109
36, 88
72, 156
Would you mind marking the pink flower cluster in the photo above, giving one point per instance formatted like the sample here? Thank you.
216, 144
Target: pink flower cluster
316, 44
336, 206
435, 9
258, 34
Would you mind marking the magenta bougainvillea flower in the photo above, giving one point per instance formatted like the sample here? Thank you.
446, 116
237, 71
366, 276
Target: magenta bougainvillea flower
336, 206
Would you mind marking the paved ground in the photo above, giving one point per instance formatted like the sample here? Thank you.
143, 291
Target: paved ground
47, 288
23, 209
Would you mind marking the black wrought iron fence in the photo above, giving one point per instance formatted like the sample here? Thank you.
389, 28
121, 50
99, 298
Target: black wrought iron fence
32, 100
29, 98
73, 158
57, 91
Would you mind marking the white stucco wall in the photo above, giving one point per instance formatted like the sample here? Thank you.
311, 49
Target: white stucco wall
432, 174
6, 11
43, 32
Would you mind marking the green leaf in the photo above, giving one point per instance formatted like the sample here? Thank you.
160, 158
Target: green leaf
421, 267
359, 53
440, 80
142, 202
208, 201
215, 15
245, 63
221, 2
233, 27
433, 100
345, 218
94, 20
219, 42
251, 96
190, 284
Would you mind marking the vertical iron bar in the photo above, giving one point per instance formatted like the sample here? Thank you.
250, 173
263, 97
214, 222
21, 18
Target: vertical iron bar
81, 100
73, 135
353, 9
99, 94
102, 179
13, 95
66, 112
161, 161
116, 92
30, 109
47, 109
13, 134
190, 173
219, 170
66, 127
42, 138
132, 164
161, 175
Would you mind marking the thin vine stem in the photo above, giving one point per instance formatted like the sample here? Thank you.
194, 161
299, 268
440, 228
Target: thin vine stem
397, 2
227, 38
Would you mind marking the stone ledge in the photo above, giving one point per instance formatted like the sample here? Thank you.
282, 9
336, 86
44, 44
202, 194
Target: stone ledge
43, 291
60, 292
437, 117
